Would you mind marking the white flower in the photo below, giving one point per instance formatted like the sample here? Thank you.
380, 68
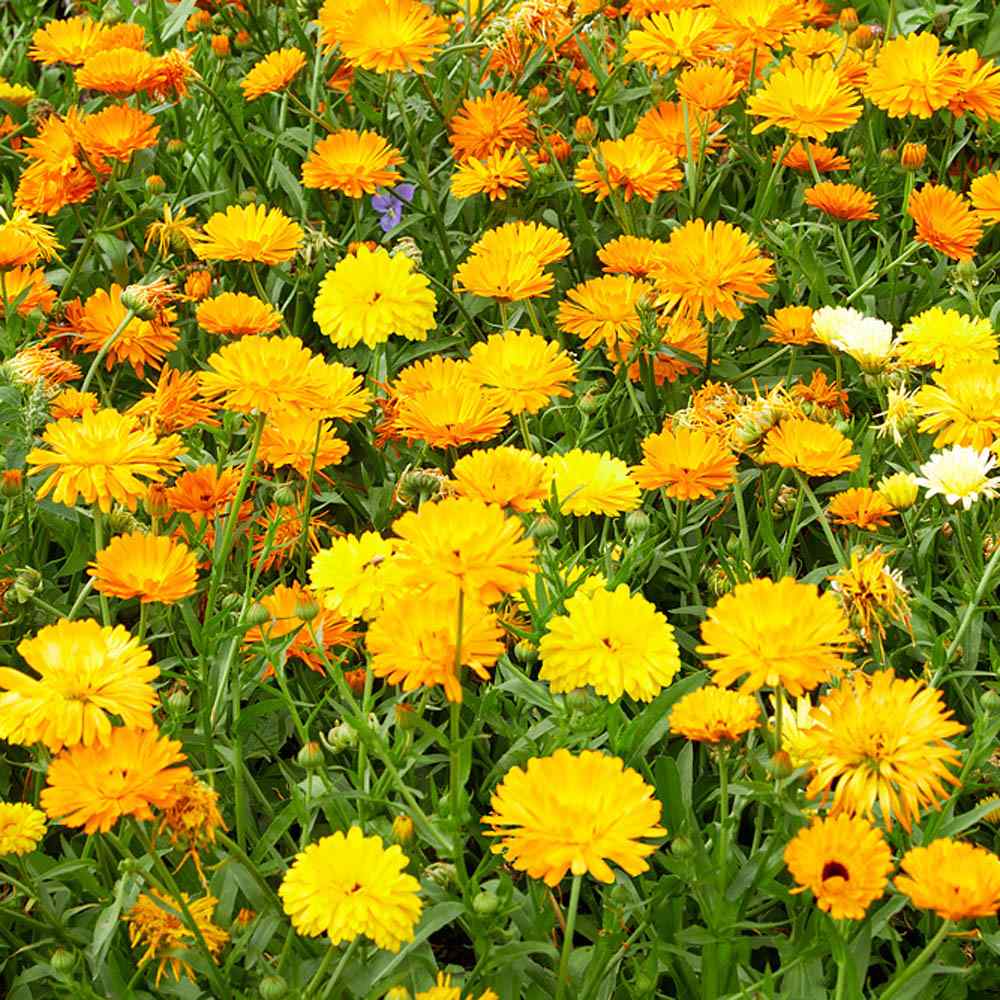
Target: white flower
960, 474
869, 341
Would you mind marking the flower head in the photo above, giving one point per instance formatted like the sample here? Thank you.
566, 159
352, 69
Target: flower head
955, 879
22, 827
985, 196
847, 202
708, 86
813, 448
665, 40
869, 590
150, 567
249, 233
687, 464
792, 325
490, 124
613, 641
861, 507
844, 861
960, 475
912, 76
70, 40
301, 442
387, 36
631, 165
508, 263
574, 813
237, 314
509, 477
714, 714
592, 482
25, 289
946, 337
945, 221
502, 171
349, 885
809, 102
273, 73
348, 576
962, 406
782, 634
354, 163
94, 786
605, 311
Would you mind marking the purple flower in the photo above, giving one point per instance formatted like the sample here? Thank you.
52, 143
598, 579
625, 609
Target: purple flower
389, 205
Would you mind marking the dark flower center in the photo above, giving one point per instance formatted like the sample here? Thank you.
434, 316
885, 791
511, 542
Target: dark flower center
834, 869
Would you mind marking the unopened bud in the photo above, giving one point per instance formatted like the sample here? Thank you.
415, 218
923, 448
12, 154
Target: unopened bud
175, 146
543, 528
137, 299
179, 700
273, 988
990, 700
441, 873
220, 45
341, 737
257, 615
310, 756
406, 716
485, 904
781, 765
526, 652
284, 496
155, 184
198, 285
398, 993
306, 609
356, 679
584, 129
862, 38
406, 246
12, 483
538, 96
848, 19
912, 155
636, 522
63, 960
402, 830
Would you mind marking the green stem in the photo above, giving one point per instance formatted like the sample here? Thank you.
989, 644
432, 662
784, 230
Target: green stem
324, 967
904, 976
821, 516
455, 751
722, 849
567, 948
984, 585
98, 517
105, 347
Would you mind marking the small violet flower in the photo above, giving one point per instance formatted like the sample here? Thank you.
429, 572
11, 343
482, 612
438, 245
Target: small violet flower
389, 205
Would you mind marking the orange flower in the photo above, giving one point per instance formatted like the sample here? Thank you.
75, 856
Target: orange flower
150, 567
664, 127
205, 492
825, 158
809, 102
605, 311
456, 415
489, 124
635, 255
861, 507
355, 163
273, 73
708, 86
631, 165
250, 233
912, 76
985, 196
679, 336
388, 36
73, 404
945, 221
791, 325
70, 41
745, 24
979, 91
291, 440
237, 314
686, 464
118, 131
841, 201
507, 263
173, 404
663, 41
713, 268
813, 448
499, 173
119, 71
24, 289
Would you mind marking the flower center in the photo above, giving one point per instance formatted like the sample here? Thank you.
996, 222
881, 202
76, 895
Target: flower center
834, 869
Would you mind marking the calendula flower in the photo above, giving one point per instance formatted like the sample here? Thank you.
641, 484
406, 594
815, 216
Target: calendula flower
509, 477
371, 295
120, 71
960, 475
880, 738
100, 458
447, 416
824, 158
34, 364
844, 861
72, 403
605, 311
490, 124
808, 102
279, 375
900, 415
22, 827
631, 165
900, 489
445, 991
176, 232
861, 507
173, 404
791, 325
348, 576
523, 370
24, 240
25, 289
508, 263
841, 201
681, 349
192, 820
868, 589
249, 233
591, 482
388, 36
962, 406
119, 131
15, 93
813, 448
156, 923
711, 269
979, 91
686, 464
153, 568
783, 634
69, 41
574, 813
714, 714
634, 255
665, 40
945, 221
94, 786
204, 493
946, 337
708, 86
500, 172
86, 673
289, 636
414, 642
273, 73
237, 314
684, 132
301, 442
985, 196
955, 879
613, 641
912, 76
349, 885
746, 24
354, 163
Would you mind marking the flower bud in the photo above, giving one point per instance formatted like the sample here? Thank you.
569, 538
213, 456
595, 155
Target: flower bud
257, 615
966, 271
175, 146
589, 403
681, 846
580, 699
406, 246
199, 20
179, 700
406, 716
990, 700
398, 993
198, 285
27, 583
862, 37
584, 129
273, 988
306, 609
636, 522
780, 765
155, 184
137, 299
243, 38
402, 830
341, 737
310, 756
912, 155
285, 496
248, 196
356, 680
538, 96
39, 109
441, 873
417, 485
543, 528
12, 483
848, 19
63, 960
220, 45
526, 652
485, 904
121, 522
900, 489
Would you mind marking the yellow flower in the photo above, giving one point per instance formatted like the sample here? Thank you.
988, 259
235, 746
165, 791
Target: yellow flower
449, 415
844, 861
502, 171
686, 464
960, 475
591, 482
880, 738
301, 442
354, 163
912, 76
155, 922
963, 405
868, 589
508, 477
614, 641
388, 36
151, 567
22, 827
782, 634
708, 87
900, 489
273, 73
632, 165
371, 295
413, 641
946, 337
605, 311
444, 991
346, 886
524, 370
811, 447
176, 232
861, 507
249, 233
664, 40
808, 102
713, 714
958, 881
984, 193
348, 576
574, 812
237, 314
100, 458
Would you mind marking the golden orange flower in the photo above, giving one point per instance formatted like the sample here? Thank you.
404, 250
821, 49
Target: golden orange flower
120, 71
118, 131
745, 24
663, 41
635, 255
508, 477
354, 163
249, 233
813, 448
606, 311
979, 91
791, 325
809, 102
489, 124
841, 201
73, 404
297, 441
173, 405
237, 314
70, 41
685, 464
388, 36
708, 86
23, 289
508, 263
861, 507
667, 127
912, 76
630, 165
502, 171
205, 492
945, 221
151, 567
825, 158
985, 196
454, 415
273, 73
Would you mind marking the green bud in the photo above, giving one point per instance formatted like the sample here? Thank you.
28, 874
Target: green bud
63, 961
285, 496
543, 528
526, 652
273, 988
230, 602
636, 522
681, 846
248, 196
175, 146
589, 403
441, 873
179, 700
310, 756
341, 737
486, 904
580, 699
990, 700
257, 615
306, 610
